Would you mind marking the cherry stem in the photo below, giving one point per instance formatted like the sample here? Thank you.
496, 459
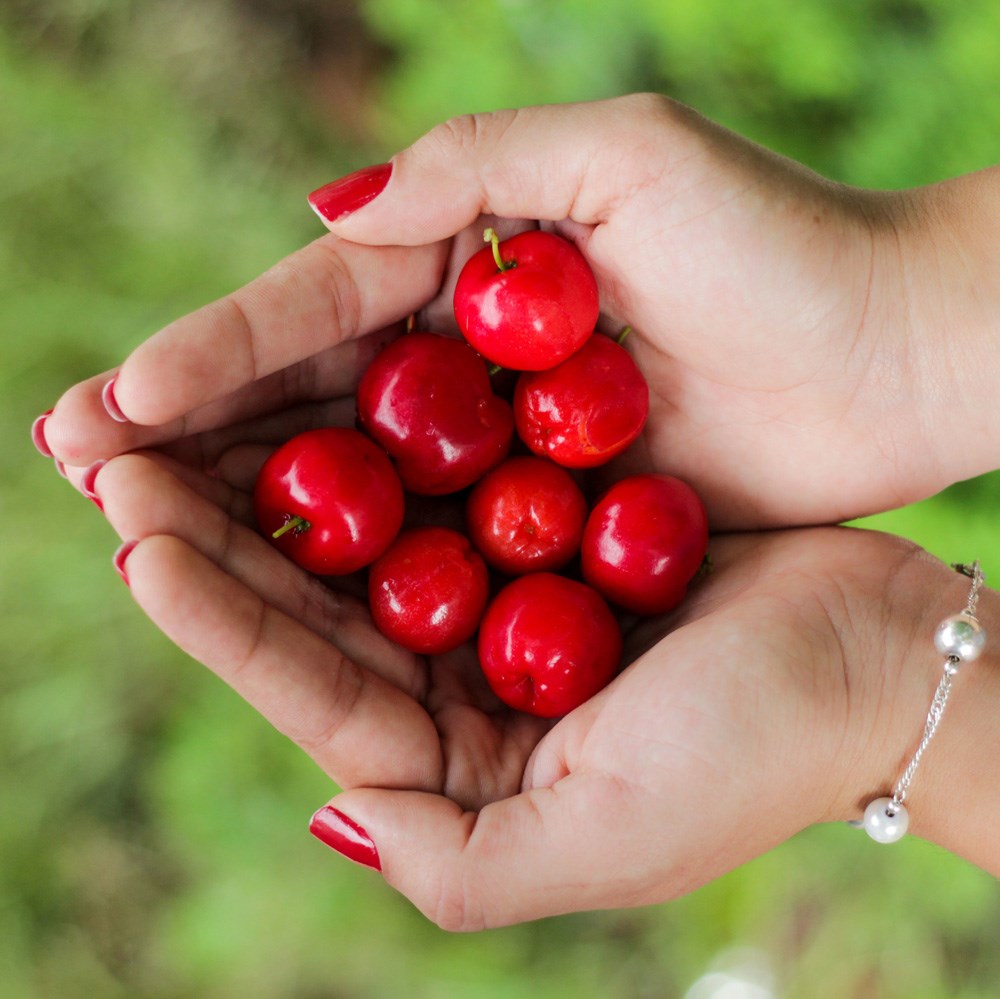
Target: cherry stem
296, 524
495, 370
490, 236
622, 336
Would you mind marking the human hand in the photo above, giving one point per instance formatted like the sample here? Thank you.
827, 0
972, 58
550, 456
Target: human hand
786, 690
774, 313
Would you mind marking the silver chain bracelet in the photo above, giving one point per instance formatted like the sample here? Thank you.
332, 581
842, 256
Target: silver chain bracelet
960, 638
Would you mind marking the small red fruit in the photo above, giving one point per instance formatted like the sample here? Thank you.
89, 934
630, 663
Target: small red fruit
527, 515
429, 590
330, 500
548, 643
528, 302
427, 399
644, 540
586, 410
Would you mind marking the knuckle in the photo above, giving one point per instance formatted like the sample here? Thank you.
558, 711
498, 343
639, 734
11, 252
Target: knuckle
468, 132
454, 909
345, 296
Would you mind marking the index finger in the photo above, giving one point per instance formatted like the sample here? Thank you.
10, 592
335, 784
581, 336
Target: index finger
327, 292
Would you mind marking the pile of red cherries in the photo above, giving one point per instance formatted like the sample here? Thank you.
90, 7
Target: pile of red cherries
430, 424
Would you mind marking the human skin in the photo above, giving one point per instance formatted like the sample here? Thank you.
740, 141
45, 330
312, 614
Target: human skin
788, 689
814, 352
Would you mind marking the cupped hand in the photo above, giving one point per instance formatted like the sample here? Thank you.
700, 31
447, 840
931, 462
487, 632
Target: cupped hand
767, 702
768, 307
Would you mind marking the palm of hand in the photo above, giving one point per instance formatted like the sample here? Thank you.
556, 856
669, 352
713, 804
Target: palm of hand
713, 711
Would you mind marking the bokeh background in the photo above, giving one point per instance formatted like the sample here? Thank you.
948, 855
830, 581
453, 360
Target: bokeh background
154, 155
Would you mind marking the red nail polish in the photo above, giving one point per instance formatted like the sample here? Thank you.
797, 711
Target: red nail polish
345, 836
338, 199
111, 403
89, 482
61, 468
38, 435
118, 560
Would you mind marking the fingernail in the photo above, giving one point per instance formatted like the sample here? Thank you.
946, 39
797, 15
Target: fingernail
61, 468
111, 403
345, 836
38, 435
118, 560
88, 483
338, 199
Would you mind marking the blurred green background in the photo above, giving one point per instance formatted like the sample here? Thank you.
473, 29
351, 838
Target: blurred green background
154, 156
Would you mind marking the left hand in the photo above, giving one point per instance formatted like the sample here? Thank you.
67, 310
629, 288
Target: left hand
771, 699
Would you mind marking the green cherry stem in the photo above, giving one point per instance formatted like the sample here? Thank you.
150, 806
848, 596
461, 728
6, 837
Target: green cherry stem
624, 333
296, 524
490, 236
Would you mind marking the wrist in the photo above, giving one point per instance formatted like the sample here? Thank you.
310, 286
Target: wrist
954, 798
951, 293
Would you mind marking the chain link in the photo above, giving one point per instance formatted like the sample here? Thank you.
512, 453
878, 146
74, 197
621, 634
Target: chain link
940, 701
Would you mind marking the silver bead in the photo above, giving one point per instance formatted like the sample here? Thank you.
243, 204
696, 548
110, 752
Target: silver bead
961, 636
883, 827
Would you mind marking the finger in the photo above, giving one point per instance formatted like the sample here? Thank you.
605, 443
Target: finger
325, 294
204, 450
80, 429
356, 726
143, 498
220, 494
240, 465
548, 163
540, 853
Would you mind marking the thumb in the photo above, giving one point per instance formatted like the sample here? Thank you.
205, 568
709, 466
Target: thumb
554, 162
540, 853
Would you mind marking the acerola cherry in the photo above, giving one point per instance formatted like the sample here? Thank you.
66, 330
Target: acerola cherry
330, 500
548, 643
644, 540
527, 515
528, 302
429, 590
585, 410
428, 401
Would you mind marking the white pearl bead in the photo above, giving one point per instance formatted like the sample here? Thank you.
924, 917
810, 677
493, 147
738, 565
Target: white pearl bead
960, 635
880, 826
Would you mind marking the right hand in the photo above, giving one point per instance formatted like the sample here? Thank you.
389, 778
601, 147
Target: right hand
788, 383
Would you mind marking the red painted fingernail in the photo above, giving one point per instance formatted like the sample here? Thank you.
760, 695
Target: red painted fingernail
338, 199
88, 484
111, 403
345, 836
38, 435
118, 560
61, 469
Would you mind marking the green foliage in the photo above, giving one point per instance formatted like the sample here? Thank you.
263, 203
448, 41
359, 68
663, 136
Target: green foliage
152, 157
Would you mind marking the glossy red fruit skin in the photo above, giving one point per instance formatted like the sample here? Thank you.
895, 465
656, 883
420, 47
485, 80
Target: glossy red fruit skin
548, 643
533, 315
429, 590
526, 515
585, 410
644, 540
344, 486
427, 399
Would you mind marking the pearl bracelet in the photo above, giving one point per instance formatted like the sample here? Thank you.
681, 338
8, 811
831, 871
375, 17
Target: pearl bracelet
960, 638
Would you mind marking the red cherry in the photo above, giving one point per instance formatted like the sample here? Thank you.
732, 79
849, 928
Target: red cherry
548, 643
528, 302
429, 590
586, 410
527, 515
428, 401
644, 540
332, 498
